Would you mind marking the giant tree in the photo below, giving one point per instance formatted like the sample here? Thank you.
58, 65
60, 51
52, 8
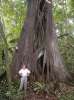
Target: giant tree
37, 46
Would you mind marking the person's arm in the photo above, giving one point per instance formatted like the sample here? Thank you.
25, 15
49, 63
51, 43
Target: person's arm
20, 72
28, 72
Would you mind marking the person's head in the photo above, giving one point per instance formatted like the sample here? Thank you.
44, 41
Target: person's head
24, 66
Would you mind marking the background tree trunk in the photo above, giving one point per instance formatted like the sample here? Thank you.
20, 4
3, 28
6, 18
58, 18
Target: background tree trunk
38, 36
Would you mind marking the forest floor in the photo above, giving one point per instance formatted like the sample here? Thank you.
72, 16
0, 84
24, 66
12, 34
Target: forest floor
65, 89
66, 92
39, 96
34, 96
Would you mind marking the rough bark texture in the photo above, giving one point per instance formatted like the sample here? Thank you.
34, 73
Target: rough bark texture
37, 46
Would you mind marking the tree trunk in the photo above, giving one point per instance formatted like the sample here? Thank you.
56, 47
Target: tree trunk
37, 46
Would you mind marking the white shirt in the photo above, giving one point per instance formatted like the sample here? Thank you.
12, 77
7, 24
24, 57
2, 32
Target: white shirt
24, 72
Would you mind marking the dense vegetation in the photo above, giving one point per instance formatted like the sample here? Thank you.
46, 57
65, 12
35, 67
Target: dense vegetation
12, 14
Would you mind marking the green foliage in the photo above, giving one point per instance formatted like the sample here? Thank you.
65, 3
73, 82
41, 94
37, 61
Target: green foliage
68, 96
2, 67
12, 14
40, 87
71, 7
66, 45
12, 93
64, 21
3, 89
1, 48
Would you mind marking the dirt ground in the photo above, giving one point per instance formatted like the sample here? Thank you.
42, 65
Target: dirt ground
33, 96
36, 97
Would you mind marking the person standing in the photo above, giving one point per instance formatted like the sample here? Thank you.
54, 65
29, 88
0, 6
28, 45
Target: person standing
24, 72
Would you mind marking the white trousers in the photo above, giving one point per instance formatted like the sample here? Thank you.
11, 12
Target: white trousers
23, 83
